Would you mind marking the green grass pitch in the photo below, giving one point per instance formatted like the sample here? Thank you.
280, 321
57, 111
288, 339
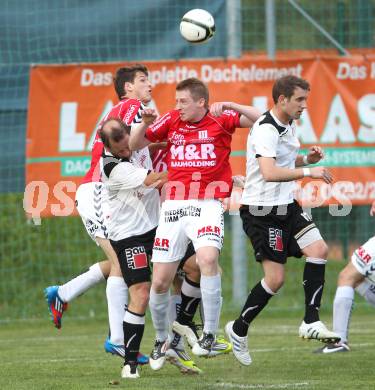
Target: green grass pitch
34, 355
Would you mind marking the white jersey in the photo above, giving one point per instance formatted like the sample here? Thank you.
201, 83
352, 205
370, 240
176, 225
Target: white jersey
363, 259
269, 138
134, 208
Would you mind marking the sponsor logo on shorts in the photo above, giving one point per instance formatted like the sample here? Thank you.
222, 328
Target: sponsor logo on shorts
212, 233
276, 239
363, 255
91, 227
136, 257
161, 244
175, 215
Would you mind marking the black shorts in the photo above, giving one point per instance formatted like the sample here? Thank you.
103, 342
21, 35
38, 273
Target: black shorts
134, 255
274, 236
190, 251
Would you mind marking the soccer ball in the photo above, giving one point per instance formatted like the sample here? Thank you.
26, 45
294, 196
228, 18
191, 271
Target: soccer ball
197, 26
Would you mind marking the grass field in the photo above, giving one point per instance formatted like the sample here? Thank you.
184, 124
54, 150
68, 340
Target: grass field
34, 355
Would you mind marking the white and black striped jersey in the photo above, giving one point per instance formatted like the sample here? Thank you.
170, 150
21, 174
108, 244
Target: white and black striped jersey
133, 207
269, 138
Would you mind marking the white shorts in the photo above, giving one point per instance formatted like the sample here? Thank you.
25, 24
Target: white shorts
201, 221
92, 205
363, 259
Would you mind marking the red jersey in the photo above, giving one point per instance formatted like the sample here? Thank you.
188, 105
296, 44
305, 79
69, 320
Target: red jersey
159, 162
129, 111
197, 154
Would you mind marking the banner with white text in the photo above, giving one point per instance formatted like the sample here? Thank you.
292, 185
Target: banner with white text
66, 102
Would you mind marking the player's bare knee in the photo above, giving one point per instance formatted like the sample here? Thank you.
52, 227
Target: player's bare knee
140, 296
105, 267
160, 285
321, 250
194, 276
347, 277
274, 282
207, 262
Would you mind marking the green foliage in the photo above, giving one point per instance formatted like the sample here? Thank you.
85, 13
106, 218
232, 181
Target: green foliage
33, 257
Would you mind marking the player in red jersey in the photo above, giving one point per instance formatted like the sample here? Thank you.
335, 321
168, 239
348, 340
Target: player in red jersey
199, 174
132, 87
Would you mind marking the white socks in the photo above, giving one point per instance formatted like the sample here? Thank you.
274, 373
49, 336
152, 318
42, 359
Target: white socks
77, 286
211, 299
342, 309
159, 312
117, 300
367, 290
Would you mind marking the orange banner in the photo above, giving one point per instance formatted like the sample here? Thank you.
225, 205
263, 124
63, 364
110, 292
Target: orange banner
66, 102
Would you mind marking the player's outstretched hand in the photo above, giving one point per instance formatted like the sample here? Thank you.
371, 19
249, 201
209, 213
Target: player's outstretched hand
315, 154
148, 116
321, 173
216, 109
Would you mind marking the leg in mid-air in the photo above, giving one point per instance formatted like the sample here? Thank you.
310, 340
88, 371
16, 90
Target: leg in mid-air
58, 297
92, 209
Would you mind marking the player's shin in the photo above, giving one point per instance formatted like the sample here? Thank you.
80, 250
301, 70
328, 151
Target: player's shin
133, 325
190, 299
256, 301
211, 298
174, 339
117, 300
81, 283
159, 312
342, 309
313, 284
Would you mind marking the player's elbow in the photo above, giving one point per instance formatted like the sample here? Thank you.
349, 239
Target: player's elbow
267, 175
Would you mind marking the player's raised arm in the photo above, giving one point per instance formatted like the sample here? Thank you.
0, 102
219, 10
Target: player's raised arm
137, 138
156, 179
249, 114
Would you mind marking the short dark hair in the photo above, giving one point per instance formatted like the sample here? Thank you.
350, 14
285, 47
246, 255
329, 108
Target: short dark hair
286, 85
197, 88
127, 74
113, 129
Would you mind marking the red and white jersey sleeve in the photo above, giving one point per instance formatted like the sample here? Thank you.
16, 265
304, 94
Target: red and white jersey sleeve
159, 161
158, 131
230, 120
129, 111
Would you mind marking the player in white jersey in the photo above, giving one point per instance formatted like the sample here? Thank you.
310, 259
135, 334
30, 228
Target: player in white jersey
134, 203
275, 223
132, 87
359, 275
134, 215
